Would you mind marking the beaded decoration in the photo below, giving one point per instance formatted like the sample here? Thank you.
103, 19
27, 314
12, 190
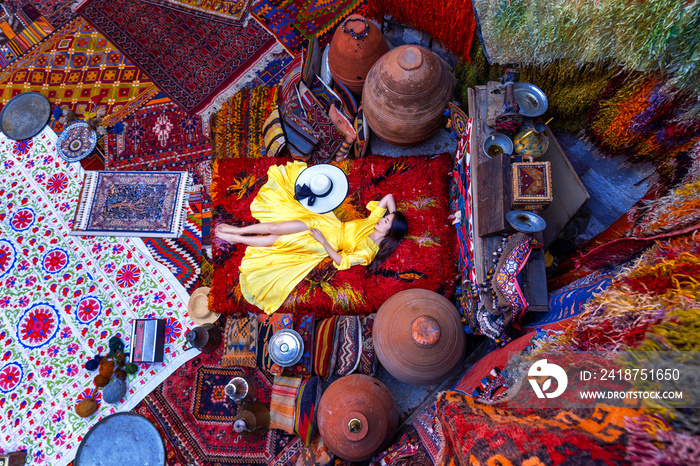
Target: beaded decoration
353, 34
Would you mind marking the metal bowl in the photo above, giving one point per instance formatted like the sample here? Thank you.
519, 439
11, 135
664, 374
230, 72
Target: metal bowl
25, 115
525, 222
531, 99
500, 140
286, 347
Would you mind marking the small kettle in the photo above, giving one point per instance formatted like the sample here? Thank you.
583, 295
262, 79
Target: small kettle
205, 338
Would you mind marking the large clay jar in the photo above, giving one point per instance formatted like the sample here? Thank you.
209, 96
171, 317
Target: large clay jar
418, 337
406, 94
357, 44
357, 417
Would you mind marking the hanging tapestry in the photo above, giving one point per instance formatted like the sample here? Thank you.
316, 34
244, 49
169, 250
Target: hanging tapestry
229, 11
148, 204
191, 59
62, 299
162, 137
75, 65
424, 259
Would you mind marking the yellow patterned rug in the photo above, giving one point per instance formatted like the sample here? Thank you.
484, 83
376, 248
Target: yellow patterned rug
76, 67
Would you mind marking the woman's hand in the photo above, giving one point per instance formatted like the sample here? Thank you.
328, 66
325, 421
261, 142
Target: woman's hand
318, 236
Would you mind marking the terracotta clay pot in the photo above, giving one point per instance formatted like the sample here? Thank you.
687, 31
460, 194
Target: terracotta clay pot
357, 417
418, 337
350, 59
405, 95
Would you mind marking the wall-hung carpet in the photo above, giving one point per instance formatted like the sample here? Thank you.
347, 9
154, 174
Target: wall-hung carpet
162, 137
192, 59
425, 259
294, 21
61, 299
195, 417
232, 11
75, 64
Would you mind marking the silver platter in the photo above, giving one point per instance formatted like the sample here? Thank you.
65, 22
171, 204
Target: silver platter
122, 439
286, 347
525, 222
25, 115
531, 99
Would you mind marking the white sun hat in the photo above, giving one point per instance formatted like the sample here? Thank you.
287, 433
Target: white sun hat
321, 188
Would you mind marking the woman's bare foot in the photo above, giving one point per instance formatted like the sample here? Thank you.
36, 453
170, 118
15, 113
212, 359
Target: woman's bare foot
226, 228
223, 234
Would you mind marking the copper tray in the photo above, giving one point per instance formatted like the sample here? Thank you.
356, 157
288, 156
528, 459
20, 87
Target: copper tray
25, 115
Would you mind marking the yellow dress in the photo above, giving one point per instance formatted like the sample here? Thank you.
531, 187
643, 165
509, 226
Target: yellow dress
269, 274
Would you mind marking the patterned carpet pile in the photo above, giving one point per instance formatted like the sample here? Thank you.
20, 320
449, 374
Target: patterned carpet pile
425, 259
62, 298
195, 417
192, 59
232, 11
74, 65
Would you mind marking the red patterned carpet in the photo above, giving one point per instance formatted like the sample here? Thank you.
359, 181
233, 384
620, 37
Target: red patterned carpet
190, 58
425, 259
195, 418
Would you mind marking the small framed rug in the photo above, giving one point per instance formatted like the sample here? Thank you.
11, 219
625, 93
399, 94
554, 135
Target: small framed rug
426, 258
144, 204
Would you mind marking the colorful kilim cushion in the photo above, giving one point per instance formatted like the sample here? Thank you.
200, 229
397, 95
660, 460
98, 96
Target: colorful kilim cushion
292, 78
240, 342
229, 11
283, 403
368, 358
304, 326
75, 64
349, 104
532, 183
56, 12
325, 347
362, 132
330, 138
65, 297
315, 454
459, 121
237, 128
268, 328
349, 337
424, 259
311, 66
192, 59
34, 29
505, 279
162, 137
273, 134
324, 94
305, 418
301, 138
429, 431
477, 433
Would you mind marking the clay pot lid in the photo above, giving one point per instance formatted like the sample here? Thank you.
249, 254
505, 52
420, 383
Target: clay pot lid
418, 336
357, 416
410, 70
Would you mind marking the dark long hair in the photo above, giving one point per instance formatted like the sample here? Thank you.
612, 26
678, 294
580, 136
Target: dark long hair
399, 227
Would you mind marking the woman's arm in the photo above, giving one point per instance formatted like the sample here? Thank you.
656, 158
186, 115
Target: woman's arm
318, 236
388, 203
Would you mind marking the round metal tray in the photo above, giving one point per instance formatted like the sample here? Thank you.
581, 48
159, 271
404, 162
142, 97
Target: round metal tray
525, 222
122, 439
25, 115
531, 99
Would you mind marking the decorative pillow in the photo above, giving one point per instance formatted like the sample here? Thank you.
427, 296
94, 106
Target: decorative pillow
305, 413
291, 78
266, 330
325, 347
459, 121
311, 61
324, 94
301, 137
316, 454
362, 131
330, 138
346, 99
240, 342
305, 328
349, 336
368, 358
273, 134
325, 69
283, 403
